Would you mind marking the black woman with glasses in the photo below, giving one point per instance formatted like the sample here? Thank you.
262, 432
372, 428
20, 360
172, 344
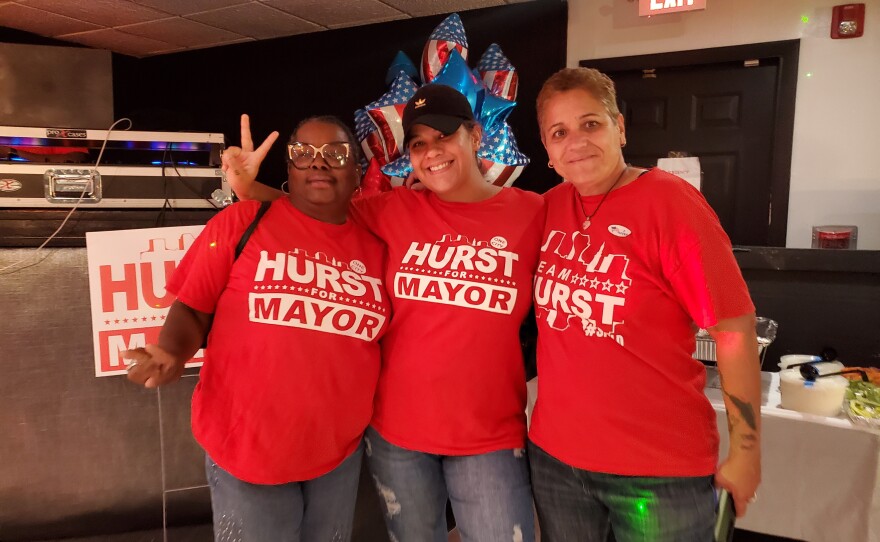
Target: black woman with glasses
292, 357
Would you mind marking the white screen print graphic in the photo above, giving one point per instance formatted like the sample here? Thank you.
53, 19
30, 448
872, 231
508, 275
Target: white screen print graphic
316, 292
581, 284
458, 271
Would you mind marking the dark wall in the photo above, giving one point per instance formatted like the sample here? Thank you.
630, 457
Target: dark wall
277, 82
820, 298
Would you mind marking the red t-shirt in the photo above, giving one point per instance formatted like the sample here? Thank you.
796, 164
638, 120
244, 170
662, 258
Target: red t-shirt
293, 355
460, 280
618, 390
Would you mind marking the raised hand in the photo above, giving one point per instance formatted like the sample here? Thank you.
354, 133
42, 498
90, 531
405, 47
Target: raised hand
241, 164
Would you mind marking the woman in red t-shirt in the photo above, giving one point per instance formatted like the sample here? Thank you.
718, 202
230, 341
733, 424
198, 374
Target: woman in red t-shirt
449, 420
622, 437
292, 359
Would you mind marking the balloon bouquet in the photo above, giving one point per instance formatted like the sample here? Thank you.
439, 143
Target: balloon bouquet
490, 89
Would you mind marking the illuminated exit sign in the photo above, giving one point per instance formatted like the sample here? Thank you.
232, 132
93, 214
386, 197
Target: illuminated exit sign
658, 7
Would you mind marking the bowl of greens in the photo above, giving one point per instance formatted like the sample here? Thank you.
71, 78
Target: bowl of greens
862, 403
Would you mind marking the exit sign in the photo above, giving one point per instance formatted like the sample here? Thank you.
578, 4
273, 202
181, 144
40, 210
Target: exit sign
658, 7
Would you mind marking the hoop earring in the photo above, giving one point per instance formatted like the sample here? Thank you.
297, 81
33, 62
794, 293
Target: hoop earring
284, 190
549, 164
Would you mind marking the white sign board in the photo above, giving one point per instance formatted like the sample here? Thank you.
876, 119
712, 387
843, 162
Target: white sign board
687, 168
128, 271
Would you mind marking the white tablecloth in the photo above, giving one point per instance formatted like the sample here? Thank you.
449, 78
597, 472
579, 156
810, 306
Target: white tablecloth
820, 475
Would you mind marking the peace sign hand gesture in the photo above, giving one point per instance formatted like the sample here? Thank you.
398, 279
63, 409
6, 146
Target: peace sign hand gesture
241, 164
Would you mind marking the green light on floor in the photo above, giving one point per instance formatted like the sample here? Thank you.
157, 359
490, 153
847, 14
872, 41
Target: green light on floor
642, 507
805, 19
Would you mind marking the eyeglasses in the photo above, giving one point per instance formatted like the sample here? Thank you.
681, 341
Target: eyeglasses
302, 155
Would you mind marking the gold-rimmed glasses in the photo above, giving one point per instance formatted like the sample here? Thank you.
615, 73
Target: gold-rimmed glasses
335, 153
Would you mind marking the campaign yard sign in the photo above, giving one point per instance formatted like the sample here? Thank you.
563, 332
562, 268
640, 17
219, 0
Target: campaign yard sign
128, 271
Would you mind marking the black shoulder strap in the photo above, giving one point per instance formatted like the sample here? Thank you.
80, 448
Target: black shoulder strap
264, 206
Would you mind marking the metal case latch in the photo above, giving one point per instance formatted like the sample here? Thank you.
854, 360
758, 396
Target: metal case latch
72, 186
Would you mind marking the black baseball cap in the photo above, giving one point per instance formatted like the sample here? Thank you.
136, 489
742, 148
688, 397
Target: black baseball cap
438, 106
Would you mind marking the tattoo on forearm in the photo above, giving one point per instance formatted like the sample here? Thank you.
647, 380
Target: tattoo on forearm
744, 440
745, 410
747, 413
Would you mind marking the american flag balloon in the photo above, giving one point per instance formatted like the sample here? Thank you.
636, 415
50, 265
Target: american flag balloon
386, 113
499, 145
368, 135
447, 37
498, 73
501, 161
401, 167
499, 174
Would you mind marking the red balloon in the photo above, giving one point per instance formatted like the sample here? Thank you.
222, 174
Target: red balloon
374, 181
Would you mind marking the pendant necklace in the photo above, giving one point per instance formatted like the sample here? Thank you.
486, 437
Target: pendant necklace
587, 217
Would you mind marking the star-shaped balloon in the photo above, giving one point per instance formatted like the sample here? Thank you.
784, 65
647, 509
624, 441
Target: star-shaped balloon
493, 111
498, 73
447, 37
386, 113
456, 74
401, 167
501, 160
401, 63
368, 135
490, 89
499, 145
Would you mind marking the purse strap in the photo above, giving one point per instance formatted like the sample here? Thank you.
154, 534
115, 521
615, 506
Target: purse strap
264, 206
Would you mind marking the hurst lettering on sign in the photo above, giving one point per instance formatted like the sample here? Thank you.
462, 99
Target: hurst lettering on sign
657, 7
458, 271
128, 271
317, 292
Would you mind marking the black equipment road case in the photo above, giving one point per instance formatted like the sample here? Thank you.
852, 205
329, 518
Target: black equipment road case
144, 179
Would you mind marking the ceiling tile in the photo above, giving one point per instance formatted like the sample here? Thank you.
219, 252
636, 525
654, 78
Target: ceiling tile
335, 13
40, 22
102, 12
420, 8
256, 20
188, 7
121, 42
183, 32
360, 22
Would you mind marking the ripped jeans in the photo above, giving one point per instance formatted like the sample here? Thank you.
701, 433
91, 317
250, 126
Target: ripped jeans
490, 493
320, 510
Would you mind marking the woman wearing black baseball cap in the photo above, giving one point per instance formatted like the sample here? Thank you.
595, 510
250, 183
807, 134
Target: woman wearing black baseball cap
449, 417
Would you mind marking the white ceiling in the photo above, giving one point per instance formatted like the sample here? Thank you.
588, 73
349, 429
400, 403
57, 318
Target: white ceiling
143, 28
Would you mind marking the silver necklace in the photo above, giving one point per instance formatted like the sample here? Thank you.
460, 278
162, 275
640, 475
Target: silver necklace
587, 217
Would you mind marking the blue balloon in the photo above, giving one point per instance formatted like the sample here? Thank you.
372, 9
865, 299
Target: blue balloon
493, 110
456, 74
401, 63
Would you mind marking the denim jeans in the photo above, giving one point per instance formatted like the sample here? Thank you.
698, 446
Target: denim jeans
576, 505
321, 509
490, 493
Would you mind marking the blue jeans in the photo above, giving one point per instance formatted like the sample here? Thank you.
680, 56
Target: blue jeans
585, 506
318, 509
490, 493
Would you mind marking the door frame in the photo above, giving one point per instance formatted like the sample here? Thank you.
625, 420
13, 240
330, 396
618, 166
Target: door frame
785, 53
